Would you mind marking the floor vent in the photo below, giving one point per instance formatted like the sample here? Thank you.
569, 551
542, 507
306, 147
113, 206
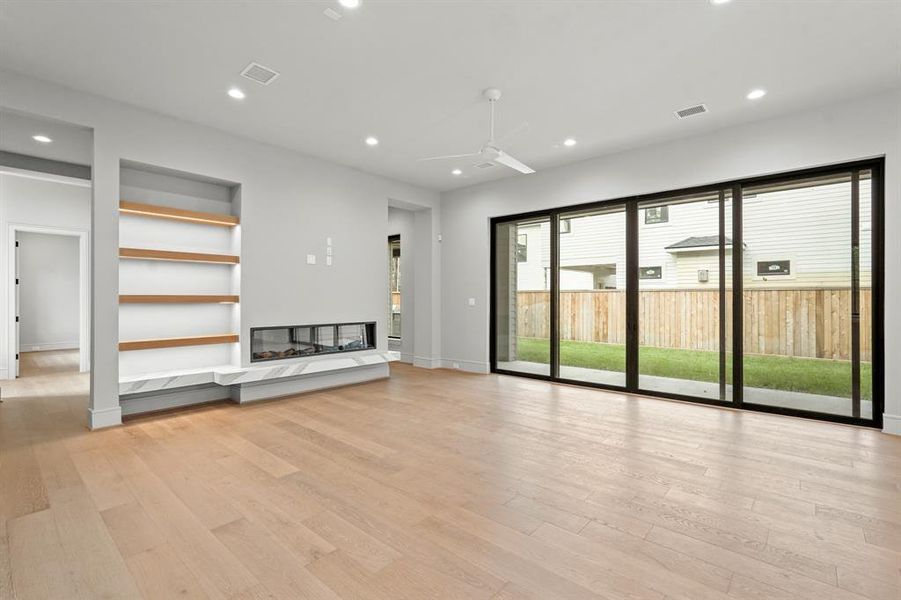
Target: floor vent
691, 111
259, 73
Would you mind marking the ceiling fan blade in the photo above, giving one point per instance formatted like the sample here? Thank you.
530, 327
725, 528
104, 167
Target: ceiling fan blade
508, 161
450, 156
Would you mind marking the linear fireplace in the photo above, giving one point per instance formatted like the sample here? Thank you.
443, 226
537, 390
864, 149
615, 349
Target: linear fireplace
294, 341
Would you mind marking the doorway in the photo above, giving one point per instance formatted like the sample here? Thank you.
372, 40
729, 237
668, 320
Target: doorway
50, 310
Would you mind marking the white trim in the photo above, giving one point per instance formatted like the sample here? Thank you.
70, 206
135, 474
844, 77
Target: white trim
45, 176
104, 417
426, 362
84, 289
891, 424
473, 366
71, 345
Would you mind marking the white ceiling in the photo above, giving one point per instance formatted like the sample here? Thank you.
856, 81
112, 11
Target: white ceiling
410, 72
70, 143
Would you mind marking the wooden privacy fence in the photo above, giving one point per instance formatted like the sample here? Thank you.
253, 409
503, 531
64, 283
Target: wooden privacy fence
813, 323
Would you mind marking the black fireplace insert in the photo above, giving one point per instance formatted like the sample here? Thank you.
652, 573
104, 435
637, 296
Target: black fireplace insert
295, 341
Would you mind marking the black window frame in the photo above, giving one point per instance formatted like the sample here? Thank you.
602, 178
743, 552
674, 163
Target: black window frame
876, 168
643, 272
663, 218
768, 272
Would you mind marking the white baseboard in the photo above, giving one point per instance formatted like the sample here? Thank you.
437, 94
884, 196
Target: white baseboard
891, 424
406, 357
48, 346
473, 366
104, 417
424, 362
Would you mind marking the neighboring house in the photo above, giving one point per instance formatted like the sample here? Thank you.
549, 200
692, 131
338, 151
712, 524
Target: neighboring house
792, 238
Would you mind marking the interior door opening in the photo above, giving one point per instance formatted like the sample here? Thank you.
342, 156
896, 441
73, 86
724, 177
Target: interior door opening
49, 311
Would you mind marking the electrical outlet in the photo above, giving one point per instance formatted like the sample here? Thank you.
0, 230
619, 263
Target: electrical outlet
311, 259
328, 260
456, 365
471, 302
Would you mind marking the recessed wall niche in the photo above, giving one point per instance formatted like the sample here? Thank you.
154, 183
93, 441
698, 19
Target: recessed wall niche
179, 270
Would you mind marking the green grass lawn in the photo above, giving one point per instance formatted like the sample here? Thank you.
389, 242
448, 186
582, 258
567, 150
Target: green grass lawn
814, 376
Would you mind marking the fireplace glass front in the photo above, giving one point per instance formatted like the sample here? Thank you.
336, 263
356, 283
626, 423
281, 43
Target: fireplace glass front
276, 343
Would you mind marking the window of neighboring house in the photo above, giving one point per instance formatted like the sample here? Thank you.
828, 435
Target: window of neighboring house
522, 247
656, 214
394, 285
773, 267
564, 225
650, 273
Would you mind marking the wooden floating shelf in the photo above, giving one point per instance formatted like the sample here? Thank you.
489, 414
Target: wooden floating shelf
228, 338
177, 214
144, 254
176, 299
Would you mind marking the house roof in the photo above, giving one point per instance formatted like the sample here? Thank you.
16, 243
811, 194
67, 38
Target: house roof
703, 241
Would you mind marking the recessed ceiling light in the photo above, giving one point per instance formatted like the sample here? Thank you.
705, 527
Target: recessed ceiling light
569, 142
349, 3
42, 139
371, 141
236, 93
719, 1
457, 172
756, 94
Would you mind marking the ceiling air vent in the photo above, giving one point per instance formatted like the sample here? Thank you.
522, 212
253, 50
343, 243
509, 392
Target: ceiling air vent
485, 165
259, 73
691, 111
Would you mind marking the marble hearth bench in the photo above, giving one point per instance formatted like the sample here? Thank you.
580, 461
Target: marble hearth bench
165, 389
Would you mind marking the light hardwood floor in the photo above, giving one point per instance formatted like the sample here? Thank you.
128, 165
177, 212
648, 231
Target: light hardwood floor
436, 484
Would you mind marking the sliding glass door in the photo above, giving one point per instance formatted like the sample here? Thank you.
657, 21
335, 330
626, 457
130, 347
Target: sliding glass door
592, 295
681, 249
807, 294
522, 296
761, 293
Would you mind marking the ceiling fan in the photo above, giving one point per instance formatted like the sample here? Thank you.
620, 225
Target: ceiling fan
489, 151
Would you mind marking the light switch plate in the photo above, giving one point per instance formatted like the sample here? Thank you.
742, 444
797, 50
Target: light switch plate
471, 302
311, 259
328, 260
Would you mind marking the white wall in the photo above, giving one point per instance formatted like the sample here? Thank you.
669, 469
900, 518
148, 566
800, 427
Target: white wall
290, 203
402, 222
855, 130
48, 291
33, 200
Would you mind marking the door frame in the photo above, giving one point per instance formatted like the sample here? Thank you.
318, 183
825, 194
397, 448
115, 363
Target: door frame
84, 291
875, 165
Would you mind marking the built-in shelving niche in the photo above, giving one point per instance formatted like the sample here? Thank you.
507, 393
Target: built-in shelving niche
179, 270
